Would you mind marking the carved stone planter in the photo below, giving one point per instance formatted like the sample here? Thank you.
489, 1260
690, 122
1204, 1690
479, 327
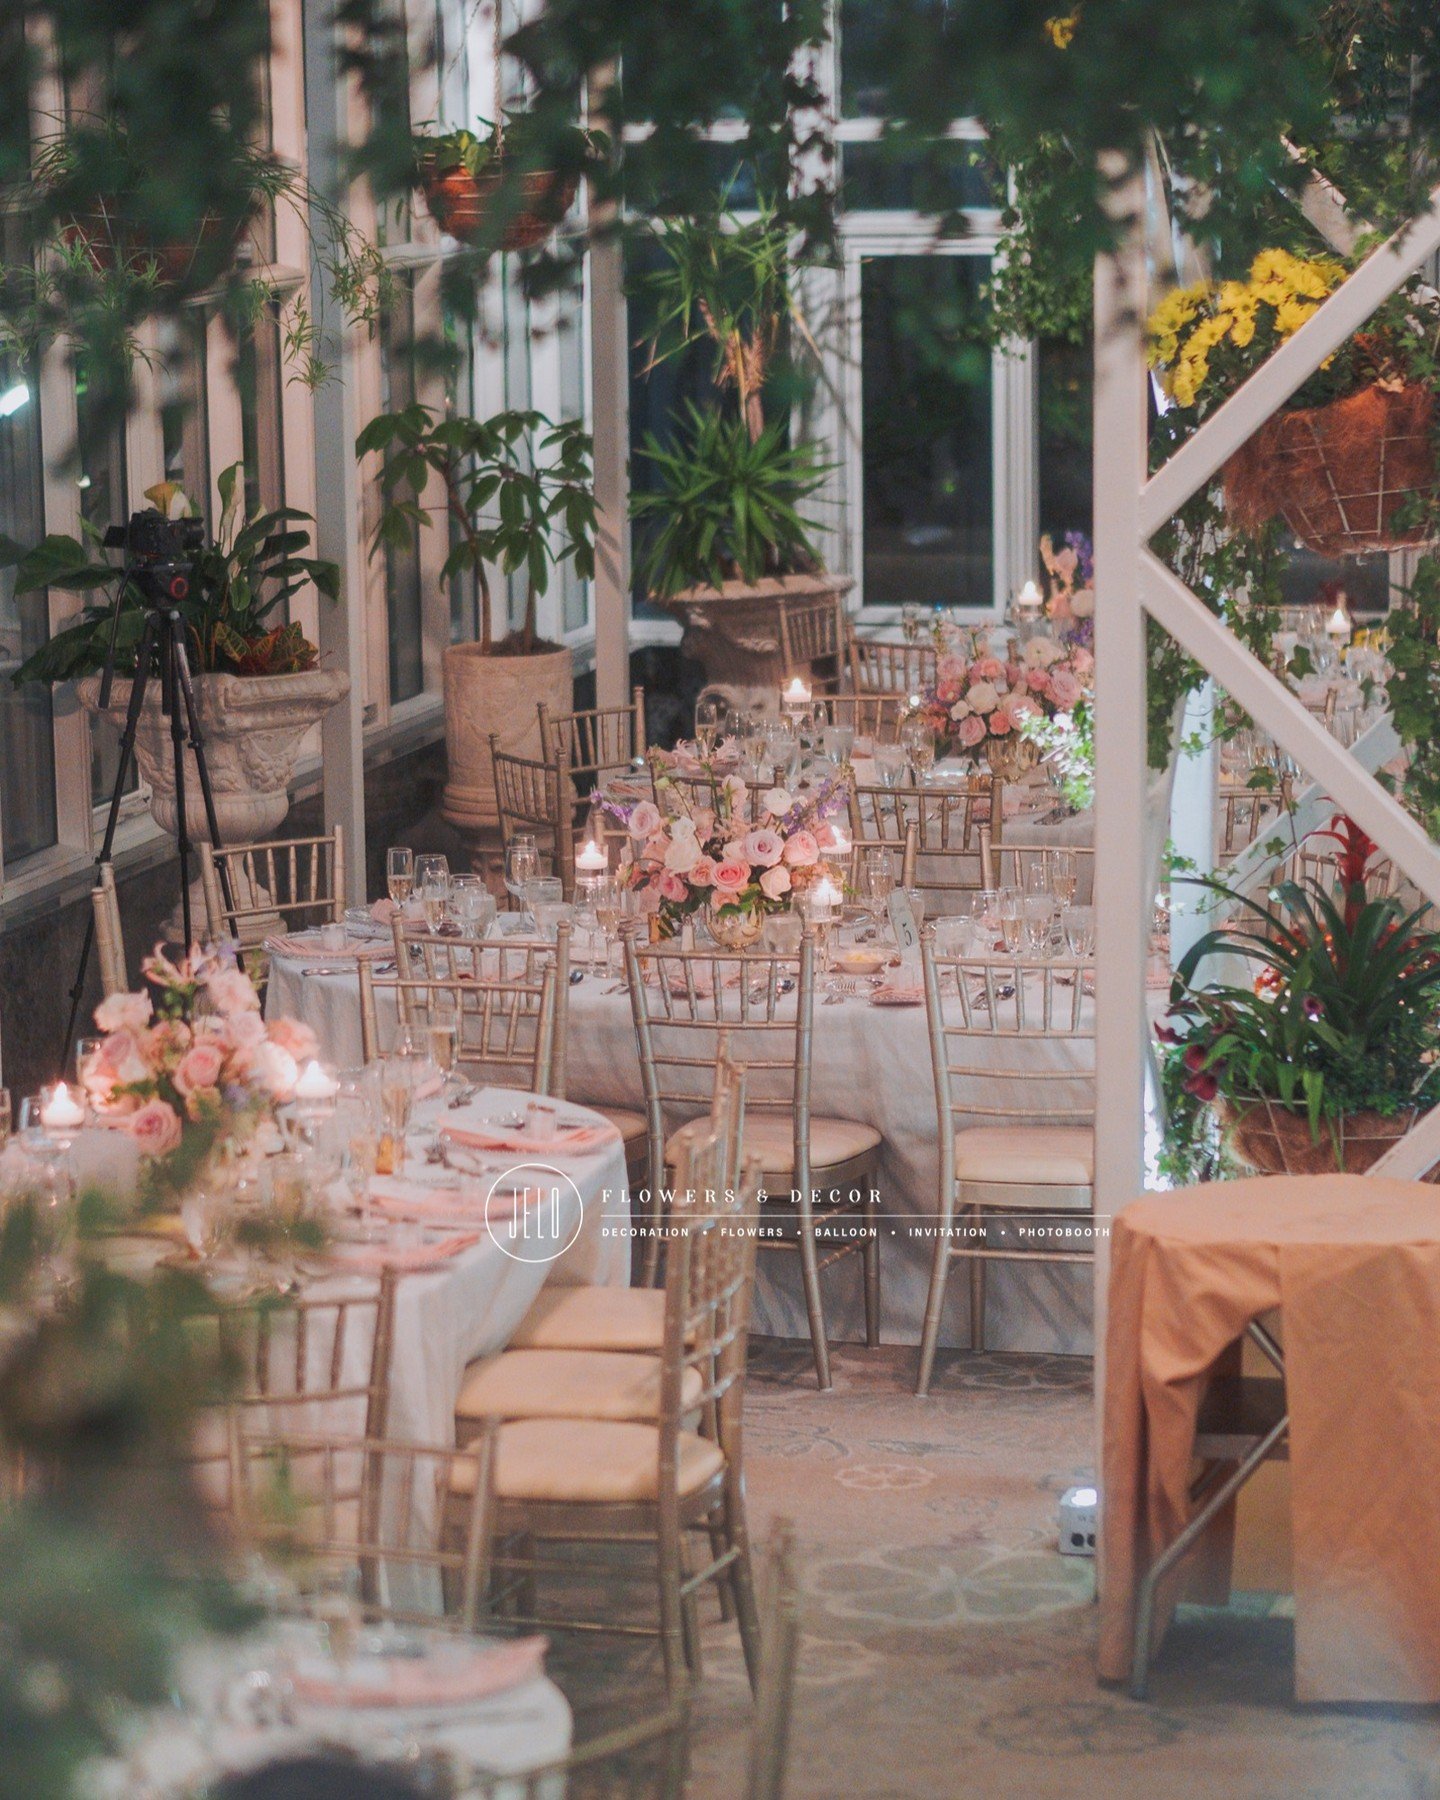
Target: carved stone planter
499, 694
735, 630
252, 726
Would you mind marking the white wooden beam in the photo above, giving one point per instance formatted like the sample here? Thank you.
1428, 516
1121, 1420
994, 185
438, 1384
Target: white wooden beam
1280, 712
1415, 1154
610, 424
1234, 423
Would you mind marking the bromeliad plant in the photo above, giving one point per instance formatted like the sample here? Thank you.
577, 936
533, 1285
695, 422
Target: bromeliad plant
518, 492
1343, 1016
239, 584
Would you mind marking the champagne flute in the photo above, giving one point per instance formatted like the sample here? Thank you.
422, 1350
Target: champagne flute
399, 872
1062, 875
709, 712
1011, 910
397, 1096
919, 742
442, 1030
522, 862
435, 898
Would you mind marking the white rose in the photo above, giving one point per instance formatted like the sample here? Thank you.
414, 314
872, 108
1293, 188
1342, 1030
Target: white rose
961, 709
1040, 652
777, 802
683, 853
1082, 604
983, 697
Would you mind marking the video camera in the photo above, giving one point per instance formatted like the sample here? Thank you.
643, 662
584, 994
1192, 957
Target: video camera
158, 553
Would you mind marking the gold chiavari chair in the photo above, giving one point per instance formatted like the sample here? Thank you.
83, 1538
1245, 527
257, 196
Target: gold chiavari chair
531, 796
1245, 813
630, 1319
877, 668
812, 641
990, 1024
375, 1507
602, 740
109, 937
1013, 865
774, 1697
701, 790
595, 1380
502, 1001
690, 1005
250, 888
873, 716
602, 1481
945, 823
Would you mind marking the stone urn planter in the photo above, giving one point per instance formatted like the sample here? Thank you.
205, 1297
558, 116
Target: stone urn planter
735, 630
500, 694
252, 725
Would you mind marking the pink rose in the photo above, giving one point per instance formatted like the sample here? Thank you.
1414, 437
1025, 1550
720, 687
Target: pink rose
971, 730
947, 692
1021, 707
732, 875
1036, 680
987, 668
166, 1041
199, 1068
155, 1128
801, 850
645, 819
704, 822
245, 1030
121, 1059
763, 848
231, 991
1065, 690
950, 668
291, 1035
1083, 663
124, 1012
1012, 674
775, 882
703, 874
1000, 725
672, 886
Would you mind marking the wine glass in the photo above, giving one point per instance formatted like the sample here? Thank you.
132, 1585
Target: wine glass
874, 883
890, 764
435, 899
1037, 919
432, 867
522, 862
472, 904
399, 872
1078, 924
709, 715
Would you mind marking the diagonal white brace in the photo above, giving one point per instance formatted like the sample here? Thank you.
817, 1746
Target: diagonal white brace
1280, 712
1272, 384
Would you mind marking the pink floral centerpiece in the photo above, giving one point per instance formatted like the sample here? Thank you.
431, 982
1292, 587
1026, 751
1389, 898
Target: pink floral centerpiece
728, 862
192, 1066
978, 704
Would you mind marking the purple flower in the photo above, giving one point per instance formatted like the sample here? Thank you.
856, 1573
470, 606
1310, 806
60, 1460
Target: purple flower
1084, 550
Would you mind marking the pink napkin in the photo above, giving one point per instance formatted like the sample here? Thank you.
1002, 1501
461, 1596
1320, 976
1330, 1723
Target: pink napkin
449, 1678
577, 1140
897, 996
374, 1259
383, 911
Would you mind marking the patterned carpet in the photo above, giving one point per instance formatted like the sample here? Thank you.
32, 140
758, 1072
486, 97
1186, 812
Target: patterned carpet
947, 1649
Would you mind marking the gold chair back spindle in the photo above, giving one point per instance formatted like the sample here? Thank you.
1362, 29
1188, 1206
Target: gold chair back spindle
298, 881
531, 796
944, 824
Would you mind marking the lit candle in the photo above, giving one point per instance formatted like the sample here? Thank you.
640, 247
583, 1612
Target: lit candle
591, 860
1338, 629
1030, 598
825, 898
315, 1084
795, 697
839, 842
61, 1113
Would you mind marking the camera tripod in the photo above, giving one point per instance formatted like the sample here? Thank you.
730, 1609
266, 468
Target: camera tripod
161, 654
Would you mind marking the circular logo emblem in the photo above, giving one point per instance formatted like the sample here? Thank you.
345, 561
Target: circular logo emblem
533, 1212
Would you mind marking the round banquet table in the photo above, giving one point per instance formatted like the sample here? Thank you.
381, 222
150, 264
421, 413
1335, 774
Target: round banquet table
871, 1065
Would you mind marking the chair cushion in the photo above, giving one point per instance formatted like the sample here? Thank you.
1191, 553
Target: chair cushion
593, 1318
589, 1460
567, 1384
630, 1125
770, 1137
1028, 1155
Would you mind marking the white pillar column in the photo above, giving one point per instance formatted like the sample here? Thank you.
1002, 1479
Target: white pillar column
341, 635
610, 423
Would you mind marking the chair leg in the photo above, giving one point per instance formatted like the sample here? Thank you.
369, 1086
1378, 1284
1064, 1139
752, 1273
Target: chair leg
719, 1543
934, 1304
810, 1274
672, 1611
977, 1293
650, 1266
742, 1578
689, 1616
872, 1271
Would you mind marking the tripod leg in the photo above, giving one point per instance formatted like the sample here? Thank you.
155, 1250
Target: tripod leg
202, 768
107, 845
173, 661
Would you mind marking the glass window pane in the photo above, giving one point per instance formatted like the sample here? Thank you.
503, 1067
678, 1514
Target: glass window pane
926, 419
27, 745
258, 378
402, 565
1066, 387
460, 402
101, 479
184, 418
884, 177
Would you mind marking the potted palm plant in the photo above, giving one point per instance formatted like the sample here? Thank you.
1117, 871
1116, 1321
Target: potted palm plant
258, 686
1329, 1054
518, 496
723, 540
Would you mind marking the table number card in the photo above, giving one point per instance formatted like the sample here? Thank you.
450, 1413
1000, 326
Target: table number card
902, 923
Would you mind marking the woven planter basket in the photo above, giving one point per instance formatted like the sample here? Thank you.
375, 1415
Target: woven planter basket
460, 204
1275, 1142
109, 244
1338, 474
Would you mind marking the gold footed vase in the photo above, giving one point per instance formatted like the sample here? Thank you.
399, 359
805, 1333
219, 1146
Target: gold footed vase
1011, 757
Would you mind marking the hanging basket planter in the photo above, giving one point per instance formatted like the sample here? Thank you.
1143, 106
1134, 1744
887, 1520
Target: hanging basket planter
1273, 1141
1339, 474
462, 204
110, 244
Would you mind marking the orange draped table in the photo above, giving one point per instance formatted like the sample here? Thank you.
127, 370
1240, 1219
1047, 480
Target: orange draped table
1353, 1263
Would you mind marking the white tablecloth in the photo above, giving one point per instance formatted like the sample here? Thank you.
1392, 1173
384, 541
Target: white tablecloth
871, 1064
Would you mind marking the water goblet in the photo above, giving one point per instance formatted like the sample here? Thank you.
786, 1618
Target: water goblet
1078, 924
1037, 917
890, 764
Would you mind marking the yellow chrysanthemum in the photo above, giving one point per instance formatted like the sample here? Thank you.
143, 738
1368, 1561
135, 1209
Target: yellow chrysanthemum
1244, 328
1291, 316
1060, 31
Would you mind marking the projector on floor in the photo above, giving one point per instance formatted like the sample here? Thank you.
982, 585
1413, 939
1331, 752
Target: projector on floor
1078, 1509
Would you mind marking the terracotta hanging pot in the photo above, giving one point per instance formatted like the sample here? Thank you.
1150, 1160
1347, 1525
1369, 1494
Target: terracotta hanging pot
110, 244
461, 203
1339, 474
